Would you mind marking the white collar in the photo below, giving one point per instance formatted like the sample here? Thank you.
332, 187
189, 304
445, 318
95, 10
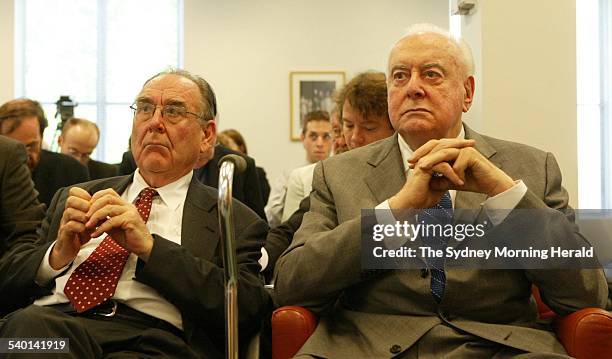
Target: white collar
172, 194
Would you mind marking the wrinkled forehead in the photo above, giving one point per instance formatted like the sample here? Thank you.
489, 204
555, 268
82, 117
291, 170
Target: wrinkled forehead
425, 47
169, 88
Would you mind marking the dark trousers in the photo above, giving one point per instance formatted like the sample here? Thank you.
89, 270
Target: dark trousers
94, 336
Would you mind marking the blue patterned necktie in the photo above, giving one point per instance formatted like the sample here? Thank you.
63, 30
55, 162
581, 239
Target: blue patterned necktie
442, 214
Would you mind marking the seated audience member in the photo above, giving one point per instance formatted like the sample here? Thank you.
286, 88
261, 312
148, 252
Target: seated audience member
338, 142
433, 312
20, 211
154, 285
24, 120
363, 107
241, 147
316, 139
245, 187
79, 139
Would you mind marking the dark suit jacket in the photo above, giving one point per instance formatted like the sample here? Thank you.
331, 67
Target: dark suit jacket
20, 211
189, 275
246, 187
54, 171
380, 316
264, 184
279, 238
99, 170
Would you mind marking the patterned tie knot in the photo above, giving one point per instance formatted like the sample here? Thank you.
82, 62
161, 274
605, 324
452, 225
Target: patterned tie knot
143, 202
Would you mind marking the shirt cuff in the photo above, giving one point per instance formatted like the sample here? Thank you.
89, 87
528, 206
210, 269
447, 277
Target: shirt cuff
498, 207
263, 260
384, 214
45, 272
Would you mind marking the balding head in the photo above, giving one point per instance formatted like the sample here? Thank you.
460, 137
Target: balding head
79, 139
429, 85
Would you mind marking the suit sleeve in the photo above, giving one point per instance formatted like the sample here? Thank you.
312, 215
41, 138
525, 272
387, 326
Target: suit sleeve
196, 285
564, 290
324, 257
253, 196
20, 220
279, 238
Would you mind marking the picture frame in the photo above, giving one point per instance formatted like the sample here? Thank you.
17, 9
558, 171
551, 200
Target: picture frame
311, 91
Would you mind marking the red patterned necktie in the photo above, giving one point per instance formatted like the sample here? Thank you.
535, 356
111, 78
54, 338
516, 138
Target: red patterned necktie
94, 281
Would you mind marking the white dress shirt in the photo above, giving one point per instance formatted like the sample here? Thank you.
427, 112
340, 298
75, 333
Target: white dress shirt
299, 186
164, 220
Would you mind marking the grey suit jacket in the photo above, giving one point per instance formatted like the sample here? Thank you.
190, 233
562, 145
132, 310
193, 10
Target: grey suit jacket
365, 316
189, 275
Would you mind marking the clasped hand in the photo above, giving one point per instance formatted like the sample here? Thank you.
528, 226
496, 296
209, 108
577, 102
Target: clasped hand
86, 217
441, 165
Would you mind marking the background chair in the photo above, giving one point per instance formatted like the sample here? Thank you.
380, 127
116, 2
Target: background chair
586, 333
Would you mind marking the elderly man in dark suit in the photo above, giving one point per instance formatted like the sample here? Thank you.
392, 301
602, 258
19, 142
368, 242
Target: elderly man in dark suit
432, 312
144, 278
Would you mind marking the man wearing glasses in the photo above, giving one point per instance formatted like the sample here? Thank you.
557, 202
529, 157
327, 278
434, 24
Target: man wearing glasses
131, 264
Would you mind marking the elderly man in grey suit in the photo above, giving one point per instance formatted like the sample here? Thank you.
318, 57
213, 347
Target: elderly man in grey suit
131, 265
435, 313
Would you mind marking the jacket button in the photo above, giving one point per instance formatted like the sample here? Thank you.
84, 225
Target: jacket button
395, 349
424, 272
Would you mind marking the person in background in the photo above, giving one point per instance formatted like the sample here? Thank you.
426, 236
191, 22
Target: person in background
338, 144
241, 147
363, 101
24, 120
20, 212
317, 141
363, 110
79, 139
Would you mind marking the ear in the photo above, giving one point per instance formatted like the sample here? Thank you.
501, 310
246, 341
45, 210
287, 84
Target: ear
469, 88
60, 140
209, 136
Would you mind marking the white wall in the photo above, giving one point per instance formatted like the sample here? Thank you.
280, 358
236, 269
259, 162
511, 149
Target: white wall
246, 49
6, 49
527, 55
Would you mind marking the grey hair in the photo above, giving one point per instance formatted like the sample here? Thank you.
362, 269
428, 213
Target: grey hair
209, 100
464, 49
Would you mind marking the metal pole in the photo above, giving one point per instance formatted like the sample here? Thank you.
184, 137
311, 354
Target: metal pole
228, 164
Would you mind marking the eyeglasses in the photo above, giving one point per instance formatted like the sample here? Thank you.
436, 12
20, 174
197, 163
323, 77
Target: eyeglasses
144, 111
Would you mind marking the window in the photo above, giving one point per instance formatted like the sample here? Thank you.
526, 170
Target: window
98, 52
594, 96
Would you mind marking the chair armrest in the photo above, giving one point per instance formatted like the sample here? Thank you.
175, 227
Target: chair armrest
586, 333
291, 327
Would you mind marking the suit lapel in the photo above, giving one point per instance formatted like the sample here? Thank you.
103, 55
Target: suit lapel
199, 227
386, 176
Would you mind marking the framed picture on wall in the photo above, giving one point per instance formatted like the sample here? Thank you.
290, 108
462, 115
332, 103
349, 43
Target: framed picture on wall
311, 91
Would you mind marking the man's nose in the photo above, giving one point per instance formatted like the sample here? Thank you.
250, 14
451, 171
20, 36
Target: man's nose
156, 123
357, 138
415, 87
